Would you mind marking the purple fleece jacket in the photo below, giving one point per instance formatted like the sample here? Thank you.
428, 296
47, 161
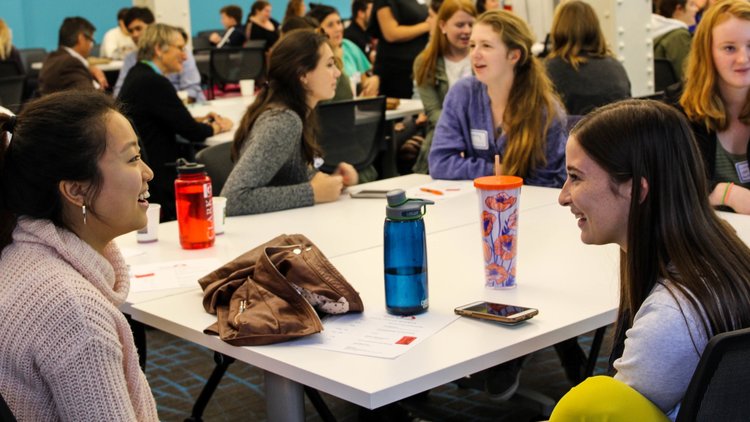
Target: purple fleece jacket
466, 126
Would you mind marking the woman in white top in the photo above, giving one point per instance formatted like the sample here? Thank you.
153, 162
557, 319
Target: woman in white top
444, 61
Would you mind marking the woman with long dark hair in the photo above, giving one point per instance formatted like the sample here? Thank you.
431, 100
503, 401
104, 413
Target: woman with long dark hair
71, 180
274, 147
635, 178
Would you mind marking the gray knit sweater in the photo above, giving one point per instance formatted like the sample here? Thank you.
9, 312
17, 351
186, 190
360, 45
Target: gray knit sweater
271, 173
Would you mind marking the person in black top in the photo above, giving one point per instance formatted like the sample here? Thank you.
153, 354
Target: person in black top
260, 25
356, 32
159, 115
402, 28
231, 16
9, 53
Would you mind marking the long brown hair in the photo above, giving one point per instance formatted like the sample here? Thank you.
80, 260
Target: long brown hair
672, 231
292, 9
701, 98
424, 73
294, 55
576, 34
533, 102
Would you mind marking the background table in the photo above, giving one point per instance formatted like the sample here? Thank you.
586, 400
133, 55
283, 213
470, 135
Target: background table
235, 107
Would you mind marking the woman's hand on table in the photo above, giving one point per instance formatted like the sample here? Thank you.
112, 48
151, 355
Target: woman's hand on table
370, 86
735, 197
326, 187
218, 123
348, 174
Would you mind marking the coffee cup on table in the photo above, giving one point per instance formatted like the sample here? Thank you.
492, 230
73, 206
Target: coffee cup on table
247, 87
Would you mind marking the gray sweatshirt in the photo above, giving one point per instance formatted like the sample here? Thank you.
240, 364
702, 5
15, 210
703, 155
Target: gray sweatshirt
662, 349
271, 173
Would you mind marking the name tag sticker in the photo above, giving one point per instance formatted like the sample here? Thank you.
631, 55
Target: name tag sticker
479, 139
743, 171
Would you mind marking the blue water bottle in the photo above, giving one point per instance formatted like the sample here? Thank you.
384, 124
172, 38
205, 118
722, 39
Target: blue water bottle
405, 255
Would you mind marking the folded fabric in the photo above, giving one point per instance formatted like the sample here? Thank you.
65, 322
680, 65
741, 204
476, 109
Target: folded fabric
271, 293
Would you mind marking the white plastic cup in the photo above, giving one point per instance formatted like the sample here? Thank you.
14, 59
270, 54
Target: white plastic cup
247, 87
150, 233
183, 96
220, 213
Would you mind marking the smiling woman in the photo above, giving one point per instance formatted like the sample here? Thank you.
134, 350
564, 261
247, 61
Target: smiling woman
635, 178
62, 278
442, 63
715, 101
508, 109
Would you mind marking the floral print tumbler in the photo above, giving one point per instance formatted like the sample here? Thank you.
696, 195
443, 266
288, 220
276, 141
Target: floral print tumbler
499, 204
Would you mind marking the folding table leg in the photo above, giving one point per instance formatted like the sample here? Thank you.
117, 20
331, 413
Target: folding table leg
222, 363
285, 400
596, 344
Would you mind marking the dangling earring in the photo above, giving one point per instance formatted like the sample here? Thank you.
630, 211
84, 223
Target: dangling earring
83, 210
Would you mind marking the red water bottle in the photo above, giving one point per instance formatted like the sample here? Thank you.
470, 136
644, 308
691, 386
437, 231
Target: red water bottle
194, 200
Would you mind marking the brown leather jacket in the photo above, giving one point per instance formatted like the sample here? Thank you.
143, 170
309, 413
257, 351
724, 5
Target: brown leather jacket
267, 294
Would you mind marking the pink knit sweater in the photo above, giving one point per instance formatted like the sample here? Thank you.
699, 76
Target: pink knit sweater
66, 351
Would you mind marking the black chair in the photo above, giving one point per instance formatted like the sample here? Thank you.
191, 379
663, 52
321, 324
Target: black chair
230, 65
255, 43
9, 68
218, 162
11, 92
664, 74
201, 42
30, 56
202, 57
719, 388
351, 131
5, 414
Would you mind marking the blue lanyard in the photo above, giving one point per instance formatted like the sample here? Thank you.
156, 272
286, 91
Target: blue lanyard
153, 66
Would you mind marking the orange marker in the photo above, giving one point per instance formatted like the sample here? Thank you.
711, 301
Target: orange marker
432, 191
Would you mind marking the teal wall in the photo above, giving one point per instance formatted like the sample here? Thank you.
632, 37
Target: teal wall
35, 22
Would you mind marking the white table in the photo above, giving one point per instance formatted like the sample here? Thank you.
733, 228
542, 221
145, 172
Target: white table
114, 65
235, 107
574, 286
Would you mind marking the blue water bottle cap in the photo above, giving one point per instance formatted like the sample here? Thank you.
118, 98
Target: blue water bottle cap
402, 208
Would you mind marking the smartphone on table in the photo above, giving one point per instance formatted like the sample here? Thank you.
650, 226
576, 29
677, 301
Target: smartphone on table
369, 193
506, 314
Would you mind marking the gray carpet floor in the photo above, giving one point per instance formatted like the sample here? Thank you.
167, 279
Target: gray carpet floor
177, 371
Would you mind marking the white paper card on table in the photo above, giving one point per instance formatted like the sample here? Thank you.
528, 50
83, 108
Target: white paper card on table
376, 334
439, 190
131, 252
170, 274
